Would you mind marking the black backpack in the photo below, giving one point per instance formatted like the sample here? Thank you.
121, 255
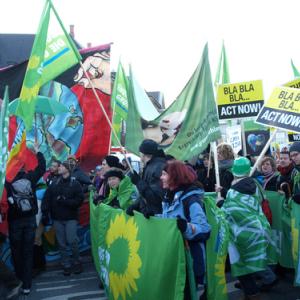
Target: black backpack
23, 197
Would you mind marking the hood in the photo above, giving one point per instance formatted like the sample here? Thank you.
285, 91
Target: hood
246, 185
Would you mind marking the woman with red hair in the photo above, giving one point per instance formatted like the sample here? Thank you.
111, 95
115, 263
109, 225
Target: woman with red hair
183, 201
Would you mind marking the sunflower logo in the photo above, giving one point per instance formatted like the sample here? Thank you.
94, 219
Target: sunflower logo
124, 262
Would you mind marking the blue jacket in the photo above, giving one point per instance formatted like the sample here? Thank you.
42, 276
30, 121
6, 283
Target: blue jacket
197, 222
186, 203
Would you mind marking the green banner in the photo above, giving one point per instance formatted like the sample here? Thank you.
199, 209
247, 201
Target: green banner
216, 251
222, 75
187, 126
137, 258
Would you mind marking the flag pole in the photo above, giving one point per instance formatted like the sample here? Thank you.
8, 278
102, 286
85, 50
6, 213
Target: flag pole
244, 146
214, 149
264, 150
105, 114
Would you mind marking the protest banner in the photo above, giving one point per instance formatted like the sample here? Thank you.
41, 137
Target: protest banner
240, 100
282, 109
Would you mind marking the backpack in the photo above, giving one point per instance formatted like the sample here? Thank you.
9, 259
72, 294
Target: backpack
23, 196
186, 210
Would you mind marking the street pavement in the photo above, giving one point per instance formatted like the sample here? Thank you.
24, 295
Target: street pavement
53, 285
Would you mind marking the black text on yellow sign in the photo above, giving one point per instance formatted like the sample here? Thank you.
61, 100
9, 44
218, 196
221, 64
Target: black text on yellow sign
240, 100
282, 110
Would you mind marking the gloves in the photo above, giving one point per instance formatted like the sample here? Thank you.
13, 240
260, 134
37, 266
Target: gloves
45, 220
181, 224
147, 214
98, 199
129, 211
135, 177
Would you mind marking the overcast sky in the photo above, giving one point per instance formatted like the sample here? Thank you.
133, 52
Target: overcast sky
163, 39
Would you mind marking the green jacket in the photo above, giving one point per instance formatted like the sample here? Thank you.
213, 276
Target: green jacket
125, 194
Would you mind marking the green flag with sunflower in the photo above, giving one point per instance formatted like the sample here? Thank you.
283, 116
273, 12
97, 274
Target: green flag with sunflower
216, 251
52, 53
137, 258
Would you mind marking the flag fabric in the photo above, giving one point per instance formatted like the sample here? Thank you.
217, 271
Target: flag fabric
222, 76
249, 233
184, 129
83, 131
137, 258
4, 120
119, 104
295, 70
216, 250
52, 53
295, 226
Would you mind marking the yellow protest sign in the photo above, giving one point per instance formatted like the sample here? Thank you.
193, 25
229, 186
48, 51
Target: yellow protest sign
293, 84
240, 100
282, 110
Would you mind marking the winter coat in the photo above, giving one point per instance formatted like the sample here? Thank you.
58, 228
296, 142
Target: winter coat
208, 183
62, 199
248, 227
185, 202
268, 183
82, 178
149, 187
123, 195
33, 177
285, 176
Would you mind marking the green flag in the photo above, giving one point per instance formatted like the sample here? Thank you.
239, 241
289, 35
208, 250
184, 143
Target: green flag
4, 119
187, 126
216, 251
137, 258
295, 71
119, 103
222, 76
52, 53
295, 226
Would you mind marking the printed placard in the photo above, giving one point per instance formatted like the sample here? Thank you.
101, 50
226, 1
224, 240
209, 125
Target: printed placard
293, 84
240, 100
282, 110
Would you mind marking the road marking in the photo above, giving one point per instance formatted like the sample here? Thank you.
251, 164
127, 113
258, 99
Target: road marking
67, 296
55, 288
66, 280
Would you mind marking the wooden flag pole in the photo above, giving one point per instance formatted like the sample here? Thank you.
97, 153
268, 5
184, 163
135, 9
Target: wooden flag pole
214, 149
106, 116
209, 163
263, 152
244, 145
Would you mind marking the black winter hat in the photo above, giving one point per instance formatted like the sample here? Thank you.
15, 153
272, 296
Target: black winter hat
114, 172
112, 161
295, 147
149, 147
69, 165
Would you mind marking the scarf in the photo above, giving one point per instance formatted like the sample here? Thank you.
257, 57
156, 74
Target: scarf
285, 170
225, 164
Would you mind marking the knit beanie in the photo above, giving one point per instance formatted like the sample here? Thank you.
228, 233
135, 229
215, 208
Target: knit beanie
295, 147
69, 165
149, 147
113, 161
114, 172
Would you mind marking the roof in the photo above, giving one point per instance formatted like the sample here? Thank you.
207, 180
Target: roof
16, 48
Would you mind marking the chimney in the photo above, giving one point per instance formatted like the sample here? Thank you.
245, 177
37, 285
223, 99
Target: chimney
89, 45
72, 31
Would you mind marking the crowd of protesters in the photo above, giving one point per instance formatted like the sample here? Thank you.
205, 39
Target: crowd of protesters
166, 188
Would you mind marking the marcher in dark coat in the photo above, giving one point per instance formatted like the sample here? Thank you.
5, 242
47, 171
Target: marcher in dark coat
78, 174
149, 186
285, 168
22, 225
225, 161
62, 201
208, 182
